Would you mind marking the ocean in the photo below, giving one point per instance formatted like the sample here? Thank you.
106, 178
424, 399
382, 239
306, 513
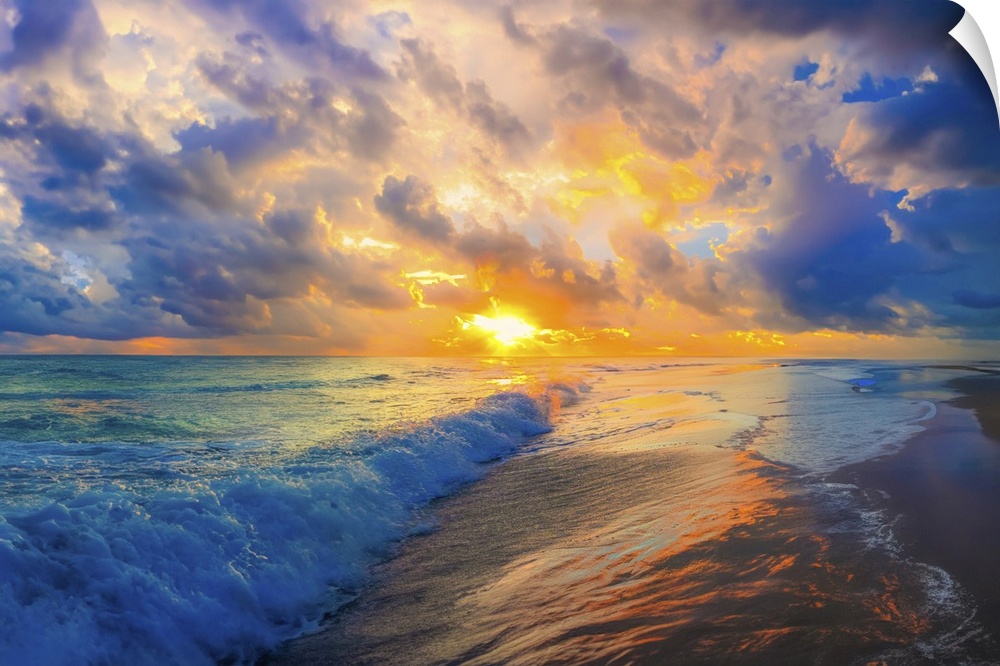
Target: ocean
204, 510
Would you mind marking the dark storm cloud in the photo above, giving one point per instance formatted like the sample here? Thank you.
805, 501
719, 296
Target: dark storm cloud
193, 268
64, 190
500, 247
69, 31
55, 214
971, 298
285, 22
439, 81
966, 218
411, 205
494, 117
75, 149
846, 257
958, 239
664, 269
198, 264
831, 260
221, 277
43, 27
69, 148
37, 298
371, 132
893, 25
245, 142
32, 301
231, 74
946, 128
183, 183
294, 115
72, 187
593, 72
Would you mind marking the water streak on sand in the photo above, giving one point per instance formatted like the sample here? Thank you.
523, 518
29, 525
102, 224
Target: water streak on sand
202, 510
667, 533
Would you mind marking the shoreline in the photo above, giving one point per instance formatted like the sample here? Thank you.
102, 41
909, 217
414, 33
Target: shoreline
944, 487
982, 397
540, 556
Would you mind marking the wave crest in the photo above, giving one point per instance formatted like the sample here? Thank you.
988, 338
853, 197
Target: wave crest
218, 570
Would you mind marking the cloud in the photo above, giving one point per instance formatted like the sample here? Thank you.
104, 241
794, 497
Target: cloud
229, 283
77, 150
494, 117
938, 137
593, 72
46, 28
830, 260
892, 25
176, 183
228, 170
287, 24
372, 132
662, 269
187, 279
411, 205
296, 115
439, 81
498, 247
553, 282
971, 298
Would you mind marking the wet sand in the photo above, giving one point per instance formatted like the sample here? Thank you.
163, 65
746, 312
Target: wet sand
638, 550
945, 487
982, 396
690, 555
435, 601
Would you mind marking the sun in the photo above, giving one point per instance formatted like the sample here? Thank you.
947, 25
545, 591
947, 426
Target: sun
507, 330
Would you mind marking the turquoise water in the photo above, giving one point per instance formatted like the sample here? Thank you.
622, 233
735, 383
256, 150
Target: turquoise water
278, 400
200, 510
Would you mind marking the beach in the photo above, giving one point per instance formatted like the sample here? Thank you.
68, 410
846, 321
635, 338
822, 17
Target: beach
944, 486
659, 551
509, 333
422, 511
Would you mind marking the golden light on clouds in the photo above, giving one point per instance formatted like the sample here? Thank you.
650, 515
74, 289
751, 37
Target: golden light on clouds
608, 160
368, 243
434, 277
378, 185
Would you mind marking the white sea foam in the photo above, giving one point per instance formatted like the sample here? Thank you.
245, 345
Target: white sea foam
840, 373
197, 570
949, 607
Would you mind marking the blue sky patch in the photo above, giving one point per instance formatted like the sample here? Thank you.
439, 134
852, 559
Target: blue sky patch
869, 91
805, 70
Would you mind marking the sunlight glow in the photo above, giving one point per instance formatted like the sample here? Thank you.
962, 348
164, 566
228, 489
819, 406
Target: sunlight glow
506, 330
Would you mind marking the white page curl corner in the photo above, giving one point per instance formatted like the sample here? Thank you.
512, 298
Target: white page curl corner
971, 37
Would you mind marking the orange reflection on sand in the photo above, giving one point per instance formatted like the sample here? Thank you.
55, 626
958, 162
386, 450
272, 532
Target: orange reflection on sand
720, 566
890, 607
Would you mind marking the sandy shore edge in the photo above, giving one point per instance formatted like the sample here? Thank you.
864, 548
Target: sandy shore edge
944, 485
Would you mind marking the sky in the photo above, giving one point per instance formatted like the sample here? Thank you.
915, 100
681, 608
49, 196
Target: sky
572, 177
